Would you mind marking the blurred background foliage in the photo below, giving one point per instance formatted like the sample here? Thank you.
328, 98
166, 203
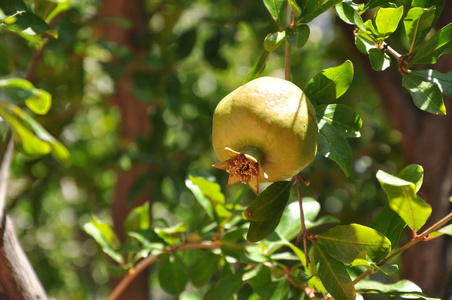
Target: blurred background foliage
198, 51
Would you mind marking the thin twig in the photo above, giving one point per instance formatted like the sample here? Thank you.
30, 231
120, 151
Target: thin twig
417, 239
143, 264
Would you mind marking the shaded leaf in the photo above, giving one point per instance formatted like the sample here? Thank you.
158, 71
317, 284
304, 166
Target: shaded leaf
273, 40
310, 9
6, 63
227, 286
417, 24
403, 200
379, 60
333, 275
276, 9
413, 173
203, 268
172, 274
330, 84
426, 95
443, 80
171, 235
402, 288
333, 145
428, 51
260, 230
341, 117
298, 36
349, 15
346, 242
375, 3
390, 224
281, 291
138, 219
445, 230
257, 69
207, 193
364, 42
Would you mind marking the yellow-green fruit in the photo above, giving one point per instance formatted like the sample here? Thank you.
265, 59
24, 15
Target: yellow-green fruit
271, 120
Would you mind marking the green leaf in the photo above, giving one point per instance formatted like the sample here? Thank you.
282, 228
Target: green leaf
402, 288
386, 21
202, 267
445, 230
276, 9
298, 36
296, 10
257, 69
172, 274
443, 80
138, 219
364, 42
379, 60
273, 40
413, 173
171, 235
49, 9
349, 15
330, 84
404, 201
260, 279
333, 145
375, 3
345, 242
226, 287
333, 275
428, 51
341, 117
270, 203
25, 19
418, 23
289, 226
281, 291
426, 95
313, 8
40, 103
105, 237
390, 224
438, 4
260, 230
6, 62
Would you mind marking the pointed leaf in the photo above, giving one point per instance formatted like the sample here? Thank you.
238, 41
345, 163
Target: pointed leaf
413, 173
386, 21
404, 201
364, 42
105, 237
428, 51
330, 84
298, 36
379, 60
257, 69
417, 23
281, 291
207, 193
172, 274
270, 203
276, 9
310, 9
390, 224
341, 117
273, 40
426, 95
349, 15
333, 275
346, 242
375, 3
402, 288
333, 145
260, 230
443, 80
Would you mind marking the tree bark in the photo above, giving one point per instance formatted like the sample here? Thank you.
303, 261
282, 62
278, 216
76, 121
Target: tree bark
134, 116
427, 141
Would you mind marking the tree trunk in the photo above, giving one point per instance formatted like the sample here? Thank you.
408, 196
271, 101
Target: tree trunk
134, 116
427, 141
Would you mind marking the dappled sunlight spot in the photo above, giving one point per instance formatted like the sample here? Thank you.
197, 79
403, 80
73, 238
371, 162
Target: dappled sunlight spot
362, 164
333, 205
205, 85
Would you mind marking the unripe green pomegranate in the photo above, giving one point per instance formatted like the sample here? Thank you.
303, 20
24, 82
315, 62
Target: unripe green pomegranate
264, 131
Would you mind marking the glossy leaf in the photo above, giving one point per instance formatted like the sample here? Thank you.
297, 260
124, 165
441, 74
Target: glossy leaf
296, 10
417, 24
330, 84
50, 9
428, 51
333, 145
298, 36
20, 90
273, 40
26, 19
349, 15
413, 173
390, 224
257, 69
171, 235
276, 9
402, 288
404, 201
438, 4
364, 42
379, 60
270, 203
172, 274
386, 21
444, 230
260, 230
341, 117
207, 193
333, 275
426, 95
346, 242
104, 235
312, 8
443, 80
226, 287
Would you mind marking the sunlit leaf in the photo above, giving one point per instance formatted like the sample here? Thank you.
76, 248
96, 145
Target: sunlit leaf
333, 145
105, 237
443, 80
341, 117
333, 275
276, 9
330, 84
171, 235
428, 51
349, 15
404, 201
364, 42
345, 242
257, 69
386, 21
207, 193
426, 95
379, 60
138, 219
273, 40
417, 23
402, 288
444, 230
413, 173
172, 274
